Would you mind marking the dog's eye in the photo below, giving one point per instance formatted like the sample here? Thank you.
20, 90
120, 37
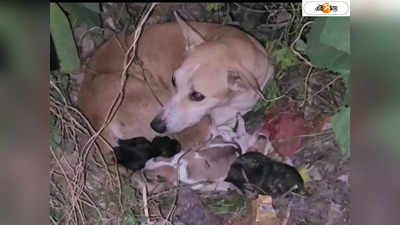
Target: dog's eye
196, 96
173, 81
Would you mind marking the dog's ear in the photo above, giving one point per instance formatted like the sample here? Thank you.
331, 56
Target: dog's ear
192, 37
237, 81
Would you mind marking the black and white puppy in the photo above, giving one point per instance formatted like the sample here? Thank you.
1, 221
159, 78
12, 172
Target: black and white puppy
254, 173
135, 152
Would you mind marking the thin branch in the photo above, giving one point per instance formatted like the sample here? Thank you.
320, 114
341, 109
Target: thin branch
294, 42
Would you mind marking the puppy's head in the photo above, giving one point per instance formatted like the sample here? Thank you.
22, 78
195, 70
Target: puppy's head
209, 77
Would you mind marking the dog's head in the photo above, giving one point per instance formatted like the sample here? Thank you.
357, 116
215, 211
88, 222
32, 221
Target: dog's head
209, 77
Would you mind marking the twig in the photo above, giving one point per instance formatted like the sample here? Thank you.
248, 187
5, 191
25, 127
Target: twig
93, 204
77, 183
66, 110
326, 86
69, 107
53, 221
294, 187
294, 42
74, 198
149, 86
119, 97
325, 132
250, 184
177, 187
293, 18
87, 32
172, 211
144, 196
288, 213
119, 187
123, 6
306, 86
120, 45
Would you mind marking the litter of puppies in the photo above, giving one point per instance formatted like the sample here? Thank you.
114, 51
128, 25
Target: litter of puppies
220, 167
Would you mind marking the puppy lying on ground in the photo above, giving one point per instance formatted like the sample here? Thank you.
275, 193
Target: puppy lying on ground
135, 152
253, 173
204, 170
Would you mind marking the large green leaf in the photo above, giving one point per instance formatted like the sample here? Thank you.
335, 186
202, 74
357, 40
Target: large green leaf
324, 55
80, 14
313, 37
336, 33
322, 50
341, 127
60, 30
328, 57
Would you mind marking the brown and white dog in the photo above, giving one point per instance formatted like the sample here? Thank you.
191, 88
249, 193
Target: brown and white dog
203, 74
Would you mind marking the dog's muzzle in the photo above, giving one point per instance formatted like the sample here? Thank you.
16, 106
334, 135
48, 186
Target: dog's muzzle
158, 124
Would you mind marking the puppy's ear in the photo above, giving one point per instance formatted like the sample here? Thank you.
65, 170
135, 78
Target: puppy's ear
191, 36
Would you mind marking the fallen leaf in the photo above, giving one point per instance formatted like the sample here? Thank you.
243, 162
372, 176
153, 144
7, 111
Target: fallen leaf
285, 125
303, 171
265, 213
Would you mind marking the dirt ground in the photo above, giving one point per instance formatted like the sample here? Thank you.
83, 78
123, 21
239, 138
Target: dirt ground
87, 188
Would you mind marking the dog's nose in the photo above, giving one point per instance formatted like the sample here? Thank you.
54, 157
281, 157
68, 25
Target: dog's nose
158, 125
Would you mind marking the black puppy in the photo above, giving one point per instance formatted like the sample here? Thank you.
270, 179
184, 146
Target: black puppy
165, 146
253, 173
133, 153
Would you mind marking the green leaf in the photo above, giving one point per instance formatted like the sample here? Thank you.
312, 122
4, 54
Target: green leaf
64, 43
313, 37
271, 91
336, 33
285, 57
214, 6
326, 54
95, 7
341, 127
79, 14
